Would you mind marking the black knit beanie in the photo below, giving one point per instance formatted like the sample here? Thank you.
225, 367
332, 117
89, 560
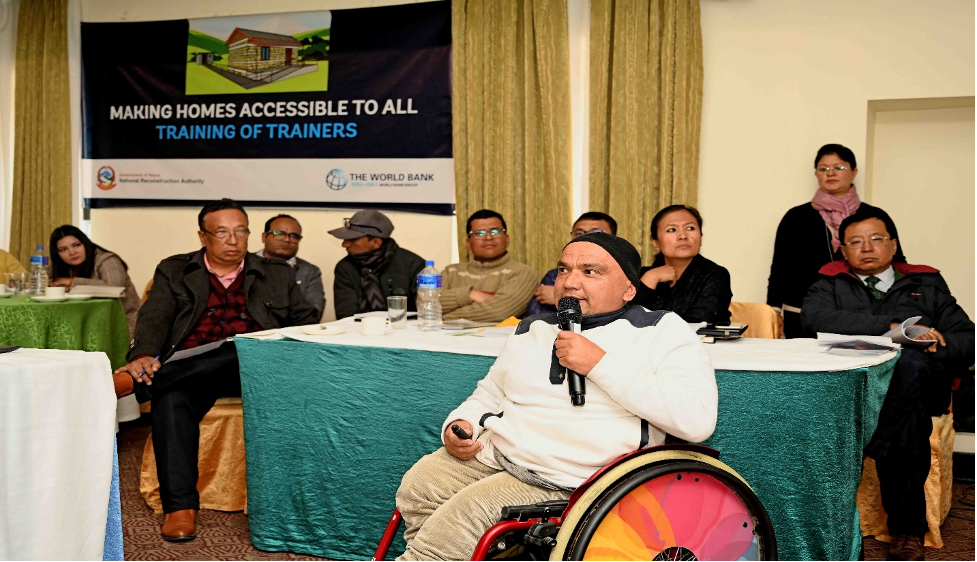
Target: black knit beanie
620, 249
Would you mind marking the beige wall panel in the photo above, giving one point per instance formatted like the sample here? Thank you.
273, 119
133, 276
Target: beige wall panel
782, 78
923, 163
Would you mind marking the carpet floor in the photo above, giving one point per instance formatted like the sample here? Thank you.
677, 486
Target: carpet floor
224, 535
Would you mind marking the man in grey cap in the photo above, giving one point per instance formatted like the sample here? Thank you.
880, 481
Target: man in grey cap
375, 268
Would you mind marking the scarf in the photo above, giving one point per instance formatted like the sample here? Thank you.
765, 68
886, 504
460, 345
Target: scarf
370, 264
834, 210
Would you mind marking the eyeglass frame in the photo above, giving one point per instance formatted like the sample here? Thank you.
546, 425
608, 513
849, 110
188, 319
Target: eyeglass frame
227, 233
481, 233
293, 236
874, 241
837, 169
347, 224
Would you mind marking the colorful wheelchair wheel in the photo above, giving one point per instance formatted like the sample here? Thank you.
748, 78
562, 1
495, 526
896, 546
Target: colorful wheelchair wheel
667, 505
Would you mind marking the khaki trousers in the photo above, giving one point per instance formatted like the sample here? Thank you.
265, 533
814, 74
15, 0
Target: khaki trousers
448, 504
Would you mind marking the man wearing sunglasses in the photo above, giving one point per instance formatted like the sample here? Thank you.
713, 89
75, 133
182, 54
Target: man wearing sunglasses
492, 286
281, 239
544, 299
375, 268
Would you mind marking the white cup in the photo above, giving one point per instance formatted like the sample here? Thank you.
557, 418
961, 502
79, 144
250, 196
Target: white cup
54, 292
374, 326
3, 289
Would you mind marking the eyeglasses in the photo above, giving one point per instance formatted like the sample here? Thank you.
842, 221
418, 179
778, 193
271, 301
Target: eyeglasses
874, 241
347, 224
225, 234
578, 232
294, 236
837, 169
482, 233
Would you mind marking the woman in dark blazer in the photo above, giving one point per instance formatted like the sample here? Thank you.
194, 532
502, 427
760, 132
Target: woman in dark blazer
681, 280
807, 238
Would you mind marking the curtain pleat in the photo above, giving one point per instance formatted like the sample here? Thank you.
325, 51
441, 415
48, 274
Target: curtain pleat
645, 110
42, 127
511, 128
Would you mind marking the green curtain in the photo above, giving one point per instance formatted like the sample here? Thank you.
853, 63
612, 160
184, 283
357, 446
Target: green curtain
42, 127
645, 110
511, 111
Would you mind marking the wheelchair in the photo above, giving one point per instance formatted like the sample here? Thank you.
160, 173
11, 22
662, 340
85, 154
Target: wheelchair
671, 502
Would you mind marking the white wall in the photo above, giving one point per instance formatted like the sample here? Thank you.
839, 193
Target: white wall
782, 78
923, 162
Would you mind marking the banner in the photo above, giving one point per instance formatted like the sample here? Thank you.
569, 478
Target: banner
341, 108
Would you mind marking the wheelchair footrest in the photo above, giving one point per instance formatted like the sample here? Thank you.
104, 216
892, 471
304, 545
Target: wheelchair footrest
552, 508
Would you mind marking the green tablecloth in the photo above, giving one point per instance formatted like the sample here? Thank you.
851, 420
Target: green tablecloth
89, 325
330, 429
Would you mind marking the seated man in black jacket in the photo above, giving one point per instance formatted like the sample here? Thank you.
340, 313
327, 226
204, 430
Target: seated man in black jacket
197, 299
868, 294
375, 268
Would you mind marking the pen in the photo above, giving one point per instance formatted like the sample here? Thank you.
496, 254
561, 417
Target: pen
154, 360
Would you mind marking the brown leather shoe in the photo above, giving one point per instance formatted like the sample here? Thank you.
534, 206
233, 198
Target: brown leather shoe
123, 384
906, 547
180, 526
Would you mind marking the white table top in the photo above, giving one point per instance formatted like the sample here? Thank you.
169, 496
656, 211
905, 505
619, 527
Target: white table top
744, 354
57, 440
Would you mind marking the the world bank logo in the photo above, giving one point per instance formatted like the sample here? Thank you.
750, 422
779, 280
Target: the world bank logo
335, 179
105, 178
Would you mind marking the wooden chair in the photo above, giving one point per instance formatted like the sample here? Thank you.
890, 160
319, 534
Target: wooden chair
222, 483
763, 319
145, 294
938, 488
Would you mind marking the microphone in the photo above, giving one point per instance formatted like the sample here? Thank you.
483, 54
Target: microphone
569, 315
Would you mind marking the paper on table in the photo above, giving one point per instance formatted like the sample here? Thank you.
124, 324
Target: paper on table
194, 351
495, 332
907, 332
98, 291
839, 344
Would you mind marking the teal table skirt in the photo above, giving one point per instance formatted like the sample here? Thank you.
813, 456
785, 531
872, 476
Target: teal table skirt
329, 431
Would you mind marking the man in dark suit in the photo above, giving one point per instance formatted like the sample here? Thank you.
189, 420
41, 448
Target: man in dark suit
199, 299
868, 294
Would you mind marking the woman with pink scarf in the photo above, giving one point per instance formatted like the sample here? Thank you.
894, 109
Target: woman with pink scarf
807, 237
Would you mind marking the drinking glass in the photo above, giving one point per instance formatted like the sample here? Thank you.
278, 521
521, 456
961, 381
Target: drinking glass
17, 282
397, 312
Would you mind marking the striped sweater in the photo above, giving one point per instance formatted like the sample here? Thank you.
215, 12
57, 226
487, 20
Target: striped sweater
512, 283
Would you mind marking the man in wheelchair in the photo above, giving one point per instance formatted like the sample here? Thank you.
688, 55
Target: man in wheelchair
647, 374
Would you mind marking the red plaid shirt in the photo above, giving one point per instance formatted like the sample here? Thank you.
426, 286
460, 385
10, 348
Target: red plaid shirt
226, 314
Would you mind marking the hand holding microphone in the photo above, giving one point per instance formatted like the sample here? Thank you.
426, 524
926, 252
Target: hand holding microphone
575, 352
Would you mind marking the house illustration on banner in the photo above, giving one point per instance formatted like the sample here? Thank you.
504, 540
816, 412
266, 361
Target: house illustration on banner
260, 57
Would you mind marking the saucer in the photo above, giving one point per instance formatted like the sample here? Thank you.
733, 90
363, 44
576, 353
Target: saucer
5, 295
71, 297
319, 330
41, 298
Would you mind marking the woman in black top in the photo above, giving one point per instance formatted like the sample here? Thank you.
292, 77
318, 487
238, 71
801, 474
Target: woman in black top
807, 238
680, 279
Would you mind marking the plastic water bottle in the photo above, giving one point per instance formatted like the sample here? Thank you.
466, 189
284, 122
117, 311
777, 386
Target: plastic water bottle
39, 272
429, 298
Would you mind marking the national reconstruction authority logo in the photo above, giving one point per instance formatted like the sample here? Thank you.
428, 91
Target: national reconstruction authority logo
336, 180
105, 179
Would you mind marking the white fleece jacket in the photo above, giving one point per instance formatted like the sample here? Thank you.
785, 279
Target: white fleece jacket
655, 369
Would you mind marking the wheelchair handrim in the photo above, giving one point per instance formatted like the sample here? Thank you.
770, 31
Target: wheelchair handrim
590, 510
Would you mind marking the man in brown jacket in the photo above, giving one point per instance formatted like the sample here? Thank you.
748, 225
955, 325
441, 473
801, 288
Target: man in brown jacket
492, 286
